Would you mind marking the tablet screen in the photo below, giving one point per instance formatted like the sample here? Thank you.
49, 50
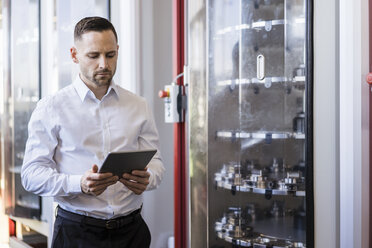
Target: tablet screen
119, 163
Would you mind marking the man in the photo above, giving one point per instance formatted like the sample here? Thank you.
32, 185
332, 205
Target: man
70, 134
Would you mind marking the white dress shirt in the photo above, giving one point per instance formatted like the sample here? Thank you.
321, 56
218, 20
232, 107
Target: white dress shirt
72, 130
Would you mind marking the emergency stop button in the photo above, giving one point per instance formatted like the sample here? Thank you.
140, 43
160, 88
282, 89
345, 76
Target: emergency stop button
369, 78
163, 93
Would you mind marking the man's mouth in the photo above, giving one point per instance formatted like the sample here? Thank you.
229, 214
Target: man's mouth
103, 73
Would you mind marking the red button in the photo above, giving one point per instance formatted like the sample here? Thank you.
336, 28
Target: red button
369, 78
163, 93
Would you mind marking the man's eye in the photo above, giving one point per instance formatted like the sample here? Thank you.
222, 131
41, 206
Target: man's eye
92, 56
110, 55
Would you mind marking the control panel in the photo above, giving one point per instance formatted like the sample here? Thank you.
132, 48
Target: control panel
174, 103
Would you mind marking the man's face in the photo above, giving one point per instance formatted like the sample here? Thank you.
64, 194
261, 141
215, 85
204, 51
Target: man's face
97, 55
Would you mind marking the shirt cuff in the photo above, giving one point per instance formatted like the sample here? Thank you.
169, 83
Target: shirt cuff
151, 179
74, 183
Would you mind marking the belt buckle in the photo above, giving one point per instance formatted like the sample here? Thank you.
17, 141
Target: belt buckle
111, 224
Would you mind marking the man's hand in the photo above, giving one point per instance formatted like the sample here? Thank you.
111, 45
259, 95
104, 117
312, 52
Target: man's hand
137, 181
94, 183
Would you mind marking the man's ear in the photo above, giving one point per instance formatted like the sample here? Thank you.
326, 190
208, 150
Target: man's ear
73, 52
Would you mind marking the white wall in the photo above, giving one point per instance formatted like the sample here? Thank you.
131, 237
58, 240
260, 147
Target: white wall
125, 17
326, 197
341, 123
156, 71
354, 124
145, 66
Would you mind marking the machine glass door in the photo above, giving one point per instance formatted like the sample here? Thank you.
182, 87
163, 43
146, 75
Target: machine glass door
225, 200
21, 96
258, 120
250, 123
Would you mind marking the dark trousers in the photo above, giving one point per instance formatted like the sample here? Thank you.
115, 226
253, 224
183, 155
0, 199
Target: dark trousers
70, 234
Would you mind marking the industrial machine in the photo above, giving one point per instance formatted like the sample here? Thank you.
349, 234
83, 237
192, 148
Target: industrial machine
248, 79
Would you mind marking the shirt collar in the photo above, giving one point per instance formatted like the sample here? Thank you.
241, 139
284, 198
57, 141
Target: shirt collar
83, 90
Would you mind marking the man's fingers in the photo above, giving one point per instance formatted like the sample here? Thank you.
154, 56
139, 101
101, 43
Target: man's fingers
138, 176
94, 168
135, 185
93, 182
99, 176
103, 185
140, 180
96, 190
140, 173
113, 179
135, 190
94, 186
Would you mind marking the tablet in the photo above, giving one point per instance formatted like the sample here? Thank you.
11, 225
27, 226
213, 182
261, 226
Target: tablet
119, 163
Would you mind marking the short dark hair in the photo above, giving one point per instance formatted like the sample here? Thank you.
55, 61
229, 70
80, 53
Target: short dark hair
94, 23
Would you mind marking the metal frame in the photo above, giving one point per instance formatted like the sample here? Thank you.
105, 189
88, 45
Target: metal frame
180, 182
370, 123
309, 128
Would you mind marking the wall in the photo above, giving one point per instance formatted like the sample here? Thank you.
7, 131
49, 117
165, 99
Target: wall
156, 71
354, 124
341, 123
326, 147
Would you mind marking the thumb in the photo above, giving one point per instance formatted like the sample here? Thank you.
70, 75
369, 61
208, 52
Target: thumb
94, 168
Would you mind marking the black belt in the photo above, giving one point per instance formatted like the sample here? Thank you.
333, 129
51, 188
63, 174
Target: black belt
108, 224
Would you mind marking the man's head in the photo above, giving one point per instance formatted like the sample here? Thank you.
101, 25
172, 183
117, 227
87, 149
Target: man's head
95, 50
94, 23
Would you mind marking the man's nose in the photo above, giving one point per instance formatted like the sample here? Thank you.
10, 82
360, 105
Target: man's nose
103, 62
